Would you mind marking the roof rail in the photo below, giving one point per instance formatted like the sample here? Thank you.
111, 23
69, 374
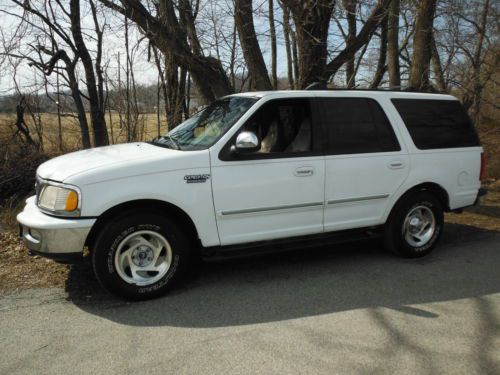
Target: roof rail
322, 86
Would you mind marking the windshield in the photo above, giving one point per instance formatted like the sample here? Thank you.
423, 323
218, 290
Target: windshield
206, 127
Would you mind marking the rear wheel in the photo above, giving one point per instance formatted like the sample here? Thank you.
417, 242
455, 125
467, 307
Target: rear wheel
140, 255
415, 225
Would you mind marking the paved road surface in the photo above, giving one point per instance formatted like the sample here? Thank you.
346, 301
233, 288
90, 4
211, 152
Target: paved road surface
352, 309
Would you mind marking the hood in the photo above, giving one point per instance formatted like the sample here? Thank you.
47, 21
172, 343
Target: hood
63, 167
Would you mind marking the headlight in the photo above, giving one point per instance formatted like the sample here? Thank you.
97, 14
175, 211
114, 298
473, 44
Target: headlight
58, 199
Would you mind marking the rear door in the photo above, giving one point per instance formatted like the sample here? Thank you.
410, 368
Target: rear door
365, 163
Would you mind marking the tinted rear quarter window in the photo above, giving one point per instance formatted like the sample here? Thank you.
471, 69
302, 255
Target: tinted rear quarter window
356, 126
437, 123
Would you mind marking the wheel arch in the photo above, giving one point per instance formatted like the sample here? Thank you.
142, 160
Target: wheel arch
434, 188
149, 205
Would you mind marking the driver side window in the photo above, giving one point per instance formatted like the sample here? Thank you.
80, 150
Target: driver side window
284, 126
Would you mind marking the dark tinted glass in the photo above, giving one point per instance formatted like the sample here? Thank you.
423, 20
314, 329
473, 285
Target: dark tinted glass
437, 123
356, 126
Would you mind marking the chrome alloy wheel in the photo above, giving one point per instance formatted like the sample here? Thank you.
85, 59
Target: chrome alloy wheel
143, 257
419, 226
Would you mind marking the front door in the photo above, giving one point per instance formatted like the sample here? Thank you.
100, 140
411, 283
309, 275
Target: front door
277, 191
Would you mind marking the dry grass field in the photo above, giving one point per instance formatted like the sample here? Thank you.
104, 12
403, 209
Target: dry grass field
147, 129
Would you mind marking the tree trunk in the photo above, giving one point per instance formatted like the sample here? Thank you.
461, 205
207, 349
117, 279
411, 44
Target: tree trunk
98, 59
381, 66
350, 9
174, 93
477, 82
75, 91
312, 20
251, 50
437, 67
110, 113
80, 108
21, 125
59, 122
422, 46
295, 54
272, 31
158, 117
232, 60
130, 137
286, 35
393, 45
96, 113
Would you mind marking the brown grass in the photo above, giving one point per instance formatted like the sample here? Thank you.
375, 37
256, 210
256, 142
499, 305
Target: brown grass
19, 271
8, 212
147, 129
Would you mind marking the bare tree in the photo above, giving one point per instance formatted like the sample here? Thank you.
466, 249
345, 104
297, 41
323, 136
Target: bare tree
437, 67
422, 46
350, 10
393, 44
287, 35
165, 32
272, 31
95, 100
382, 57
476, 59
312, 20
49, 24
362, 38
250, 45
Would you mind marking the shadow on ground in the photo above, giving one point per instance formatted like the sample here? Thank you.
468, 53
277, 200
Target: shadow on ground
308, 283
486, 210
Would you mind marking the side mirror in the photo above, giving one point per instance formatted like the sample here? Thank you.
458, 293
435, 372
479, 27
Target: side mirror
246, 142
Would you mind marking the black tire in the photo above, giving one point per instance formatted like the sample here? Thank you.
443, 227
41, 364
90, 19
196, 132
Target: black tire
395, 239
109, 240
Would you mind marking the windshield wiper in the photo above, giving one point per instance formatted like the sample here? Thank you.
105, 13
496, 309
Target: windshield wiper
174, 142
169, 138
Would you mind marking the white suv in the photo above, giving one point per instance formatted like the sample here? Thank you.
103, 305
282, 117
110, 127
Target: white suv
258, 172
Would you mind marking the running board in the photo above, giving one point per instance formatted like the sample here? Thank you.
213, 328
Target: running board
217, 253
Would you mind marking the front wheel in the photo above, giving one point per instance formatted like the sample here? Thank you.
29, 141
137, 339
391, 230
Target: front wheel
415, 225
140, 255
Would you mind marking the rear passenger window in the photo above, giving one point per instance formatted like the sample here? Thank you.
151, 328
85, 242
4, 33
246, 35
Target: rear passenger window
356, 126
437, 123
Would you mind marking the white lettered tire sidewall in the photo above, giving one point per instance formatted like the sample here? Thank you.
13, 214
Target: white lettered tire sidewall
103, 255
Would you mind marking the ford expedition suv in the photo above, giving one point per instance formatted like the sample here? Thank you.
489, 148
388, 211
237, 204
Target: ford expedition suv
260, 170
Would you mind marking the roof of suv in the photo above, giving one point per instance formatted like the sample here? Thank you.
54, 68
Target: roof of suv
348, 93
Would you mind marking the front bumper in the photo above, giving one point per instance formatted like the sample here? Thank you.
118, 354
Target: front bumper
61, 239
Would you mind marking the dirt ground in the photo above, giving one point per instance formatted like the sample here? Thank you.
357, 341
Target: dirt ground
18, 271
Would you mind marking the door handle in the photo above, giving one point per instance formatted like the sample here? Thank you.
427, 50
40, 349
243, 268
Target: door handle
396, 164
304, 171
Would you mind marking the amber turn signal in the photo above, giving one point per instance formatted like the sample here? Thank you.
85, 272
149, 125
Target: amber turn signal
71, 201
